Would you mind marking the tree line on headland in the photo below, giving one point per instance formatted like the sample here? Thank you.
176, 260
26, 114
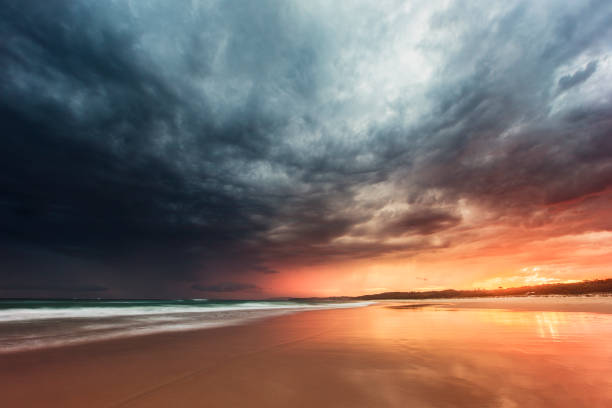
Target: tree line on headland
577, 288
570, 289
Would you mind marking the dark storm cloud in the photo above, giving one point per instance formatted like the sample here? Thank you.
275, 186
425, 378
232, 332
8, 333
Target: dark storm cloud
424, 223
503, 135
70, 288
160, 146
226, 287
567, 81
264, 269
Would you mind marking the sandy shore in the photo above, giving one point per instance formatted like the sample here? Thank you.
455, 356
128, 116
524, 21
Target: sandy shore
376, 356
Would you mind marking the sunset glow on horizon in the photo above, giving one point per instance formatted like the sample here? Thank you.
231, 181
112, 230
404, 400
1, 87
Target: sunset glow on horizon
482, 255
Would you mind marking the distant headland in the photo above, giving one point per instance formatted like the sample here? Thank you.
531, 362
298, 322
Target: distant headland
578, 288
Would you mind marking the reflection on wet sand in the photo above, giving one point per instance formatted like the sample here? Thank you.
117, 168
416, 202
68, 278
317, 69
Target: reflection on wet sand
445, 355
547, 325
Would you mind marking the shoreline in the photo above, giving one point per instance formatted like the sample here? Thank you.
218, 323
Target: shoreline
40, 328
211, 319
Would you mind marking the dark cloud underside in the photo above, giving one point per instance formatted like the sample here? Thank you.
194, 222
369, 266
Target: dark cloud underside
226, 287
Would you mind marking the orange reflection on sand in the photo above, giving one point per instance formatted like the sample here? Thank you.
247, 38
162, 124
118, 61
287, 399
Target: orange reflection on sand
436, 353
548, 323
552, 326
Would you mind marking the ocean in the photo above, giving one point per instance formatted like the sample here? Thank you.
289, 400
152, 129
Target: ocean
33, 324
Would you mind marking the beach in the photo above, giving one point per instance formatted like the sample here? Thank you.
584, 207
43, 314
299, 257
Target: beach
524, 353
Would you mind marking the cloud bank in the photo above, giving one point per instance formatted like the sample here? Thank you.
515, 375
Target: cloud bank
156, 147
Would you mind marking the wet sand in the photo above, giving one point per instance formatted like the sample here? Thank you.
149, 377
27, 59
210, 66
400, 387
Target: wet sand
436, 355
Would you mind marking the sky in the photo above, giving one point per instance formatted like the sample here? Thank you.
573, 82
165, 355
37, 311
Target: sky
255, 149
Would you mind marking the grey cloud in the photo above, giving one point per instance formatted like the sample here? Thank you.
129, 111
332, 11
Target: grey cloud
264, 269
568, 81
421, 222
68, 288
495, 140
226, 287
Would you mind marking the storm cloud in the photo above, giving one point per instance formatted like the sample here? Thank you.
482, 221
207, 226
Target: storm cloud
54, 288
226, 287
577, 77
159, 147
